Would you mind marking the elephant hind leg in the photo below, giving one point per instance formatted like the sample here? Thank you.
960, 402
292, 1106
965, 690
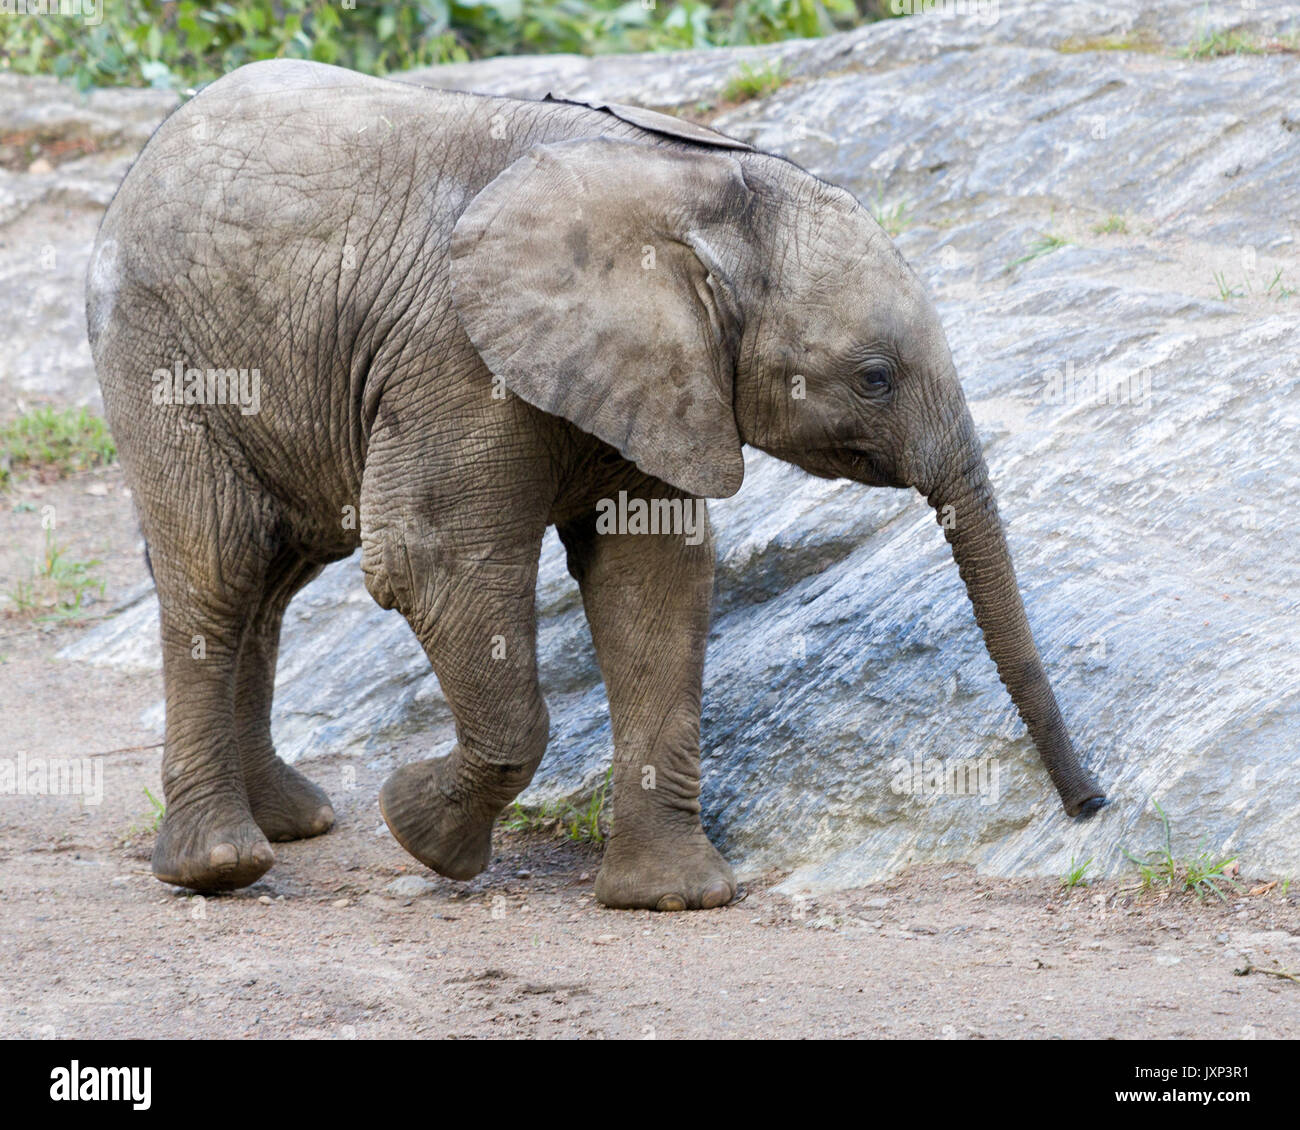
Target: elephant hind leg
209, 840
283, 802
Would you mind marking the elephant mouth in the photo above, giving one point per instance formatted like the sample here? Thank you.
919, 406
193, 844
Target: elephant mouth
864, 466
841, 462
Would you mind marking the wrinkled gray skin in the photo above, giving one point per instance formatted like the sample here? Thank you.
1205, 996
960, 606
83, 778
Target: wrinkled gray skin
474, 317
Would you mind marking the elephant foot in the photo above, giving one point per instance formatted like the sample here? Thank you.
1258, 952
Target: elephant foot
673, 873
210, 849
430, 815
285, 804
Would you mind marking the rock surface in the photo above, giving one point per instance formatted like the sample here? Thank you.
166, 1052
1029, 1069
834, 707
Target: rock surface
1140, 428
62, 157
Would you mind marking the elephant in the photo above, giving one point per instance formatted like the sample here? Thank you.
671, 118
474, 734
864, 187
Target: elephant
331, 311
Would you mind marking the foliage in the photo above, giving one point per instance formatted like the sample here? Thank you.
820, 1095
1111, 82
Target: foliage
180, 44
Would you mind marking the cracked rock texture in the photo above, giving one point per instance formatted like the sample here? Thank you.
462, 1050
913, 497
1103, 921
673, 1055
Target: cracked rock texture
1078, 195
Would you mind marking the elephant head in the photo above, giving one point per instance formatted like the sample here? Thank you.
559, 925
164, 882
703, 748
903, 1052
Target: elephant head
678, 301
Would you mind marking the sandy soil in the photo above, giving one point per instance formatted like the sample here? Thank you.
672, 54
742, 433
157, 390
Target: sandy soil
326, 946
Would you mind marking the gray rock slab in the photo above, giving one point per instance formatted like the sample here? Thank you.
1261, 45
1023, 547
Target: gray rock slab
1141, 431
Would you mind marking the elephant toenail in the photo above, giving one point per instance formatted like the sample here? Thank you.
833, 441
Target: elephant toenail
324, 818
223, 856
263, 856
671, 902
719, 894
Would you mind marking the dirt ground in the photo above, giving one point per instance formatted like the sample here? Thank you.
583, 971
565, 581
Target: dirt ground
347, 937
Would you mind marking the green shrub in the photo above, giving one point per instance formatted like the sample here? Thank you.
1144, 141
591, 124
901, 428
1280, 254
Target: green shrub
180, 44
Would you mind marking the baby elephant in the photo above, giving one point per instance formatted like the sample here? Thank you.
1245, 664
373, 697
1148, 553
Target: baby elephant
329, 311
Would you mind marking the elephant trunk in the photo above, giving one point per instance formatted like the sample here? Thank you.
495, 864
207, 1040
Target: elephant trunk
962, 497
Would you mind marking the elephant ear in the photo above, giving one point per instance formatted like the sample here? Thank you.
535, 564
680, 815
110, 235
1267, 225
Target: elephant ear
656, 122
587, 276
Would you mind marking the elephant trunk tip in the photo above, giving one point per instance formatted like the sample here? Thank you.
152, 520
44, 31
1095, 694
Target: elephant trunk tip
1086, 809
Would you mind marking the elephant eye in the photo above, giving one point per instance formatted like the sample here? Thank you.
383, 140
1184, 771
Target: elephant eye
876, 377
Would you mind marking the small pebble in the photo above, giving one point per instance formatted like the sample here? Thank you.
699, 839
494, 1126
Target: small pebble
409, 886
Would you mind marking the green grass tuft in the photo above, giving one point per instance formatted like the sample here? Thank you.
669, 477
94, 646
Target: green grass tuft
753, 82
894, 218
58, 587
1218, 44
159, 811
1077, 875
1226, 291
1137, 42
1277, 290
61, 441
149, 822
587, 825
1201, 873
1043, 245
1114, 224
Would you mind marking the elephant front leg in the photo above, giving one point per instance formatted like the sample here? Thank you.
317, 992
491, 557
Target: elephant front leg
648, 597
472, 609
